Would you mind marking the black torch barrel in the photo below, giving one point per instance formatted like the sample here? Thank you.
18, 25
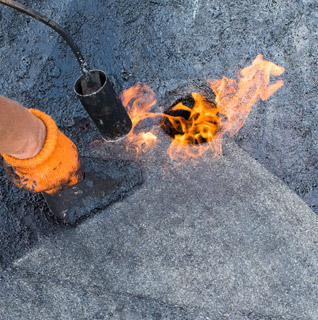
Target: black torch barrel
104, 107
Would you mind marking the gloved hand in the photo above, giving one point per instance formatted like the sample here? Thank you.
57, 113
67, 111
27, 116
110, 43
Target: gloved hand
54, 168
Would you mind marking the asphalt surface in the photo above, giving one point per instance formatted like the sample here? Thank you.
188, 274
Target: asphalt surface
227, 239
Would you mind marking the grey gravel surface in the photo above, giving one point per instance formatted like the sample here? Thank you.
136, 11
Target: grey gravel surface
221, 240
240, 245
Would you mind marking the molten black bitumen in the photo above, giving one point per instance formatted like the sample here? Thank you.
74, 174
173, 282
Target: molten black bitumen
52, 24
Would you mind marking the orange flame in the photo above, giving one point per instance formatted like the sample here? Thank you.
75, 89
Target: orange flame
201, 126
207, 122
138, 100
235, 101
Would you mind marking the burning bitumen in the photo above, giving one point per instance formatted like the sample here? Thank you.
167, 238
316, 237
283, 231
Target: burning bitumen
178, 119
196, 124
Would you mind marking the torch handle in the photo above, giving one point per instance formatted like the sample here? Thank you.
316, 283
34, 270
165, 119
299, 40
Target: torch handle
62, 32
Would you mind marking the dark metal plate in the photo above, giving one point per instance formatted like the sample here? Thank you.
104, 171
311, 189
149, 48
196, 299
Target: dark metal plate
105, 181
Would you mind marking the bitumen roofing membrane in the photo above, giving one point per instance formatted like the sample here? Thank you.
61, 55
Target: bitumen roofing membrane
229, 238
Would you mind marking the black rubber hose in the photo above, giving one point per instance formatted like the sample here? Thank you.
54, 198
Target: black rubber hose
38, 16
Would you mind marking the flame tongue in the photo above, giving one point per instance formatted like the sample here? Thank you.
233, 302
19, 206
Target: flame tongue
235, 101
199, 126
139, 100
205, 121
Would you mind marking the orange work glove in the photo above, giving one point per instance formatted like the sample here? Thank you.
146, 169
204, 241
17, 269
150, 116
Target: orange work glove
54, 168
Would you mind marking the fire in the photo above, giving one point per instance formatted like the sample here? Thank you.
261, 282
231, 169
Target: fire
138, 100
235, 100
207, 122
201, 126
